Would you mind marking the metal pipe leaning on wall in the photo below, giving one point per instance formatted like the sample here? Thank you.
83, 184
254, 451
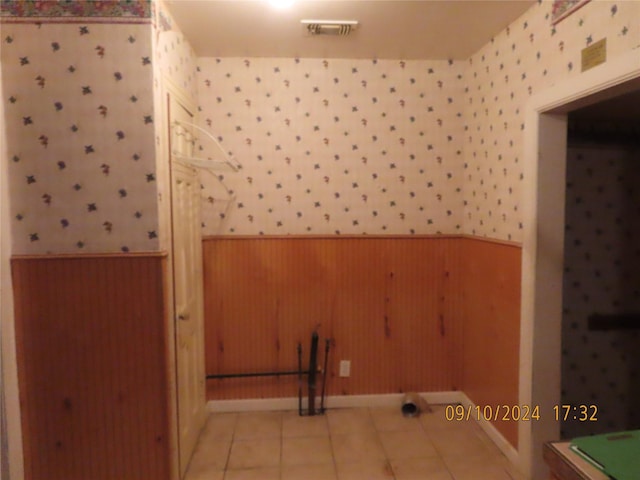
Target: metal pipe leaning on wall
299, 379
413, 404
311, 374
314, 369
324, 373
313, 366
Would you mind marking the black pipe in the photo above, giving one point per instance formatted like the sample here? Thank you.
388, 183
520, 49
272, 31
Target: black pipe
313, 367
255, 374
324, 373
614, 321
299, 379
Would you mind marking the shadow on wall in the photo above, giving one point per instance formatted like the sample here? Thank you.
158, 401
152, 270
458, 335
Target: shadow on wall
601, 363
631, 348
630, 285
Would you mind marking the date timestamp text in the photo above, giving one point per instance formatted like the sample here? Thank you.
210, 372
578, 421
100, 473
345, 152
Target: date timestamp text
505, 413
519, 413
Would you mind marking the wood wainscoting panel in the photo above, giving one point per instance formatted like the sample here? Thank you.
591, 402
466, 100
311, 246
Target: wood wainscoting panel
91, 338
410, 313
491, 346
389, 305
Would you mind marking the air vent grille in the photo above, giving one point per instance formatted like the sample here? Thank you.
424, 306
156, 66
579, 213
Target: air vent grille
330, 27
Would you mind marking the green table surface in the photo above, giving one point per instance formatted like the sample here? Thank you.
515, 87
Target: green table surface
616, 454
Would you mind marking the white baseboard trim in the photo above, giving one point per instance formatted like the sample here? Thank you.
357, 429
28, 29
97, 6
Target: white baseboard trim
492, 432
337, 401
355, 401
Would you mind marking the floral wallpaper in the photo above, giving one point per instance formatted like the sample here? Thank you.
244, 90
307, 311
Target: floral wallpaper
334, 146
80, 119
326, 146
259, 108
174, 56
529, 56
602, 275
174, 61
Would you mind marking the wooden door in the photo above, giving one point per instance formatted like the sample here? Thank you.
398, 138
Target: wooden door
187, 287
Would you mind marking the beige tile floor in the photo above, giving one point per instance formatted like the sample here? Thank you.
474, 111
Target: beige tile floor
346, 444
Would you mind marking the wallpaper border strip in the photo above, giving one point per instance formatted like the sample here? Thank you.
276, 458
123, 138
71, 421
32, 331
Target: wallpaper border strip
54, 10
74, 20
563, 8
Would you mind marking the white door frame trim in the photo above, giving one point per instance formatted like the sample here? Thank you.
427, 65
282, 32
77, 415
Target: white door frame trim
543, 243
11, 442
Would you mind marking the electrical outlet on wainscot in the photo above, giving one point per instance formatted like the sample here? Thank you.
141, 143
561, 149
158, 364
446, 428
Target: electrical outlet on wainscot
345, 368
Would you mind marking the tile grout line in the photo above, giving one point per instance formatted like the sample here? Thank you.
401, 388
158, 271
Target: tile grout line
437, 450
281, 463
333, 455
233, 439
380, 428
387, 461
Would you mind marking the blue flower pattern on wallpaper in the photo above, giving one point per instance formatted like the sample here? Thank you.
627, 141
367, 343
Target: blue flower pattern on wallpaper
527, 57
79, 119
497, 82
174, 56
392, 166
336, 146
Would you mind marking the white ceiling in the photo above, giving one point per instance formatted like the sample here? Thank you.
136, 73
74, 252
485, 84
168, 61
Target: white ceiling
396, 29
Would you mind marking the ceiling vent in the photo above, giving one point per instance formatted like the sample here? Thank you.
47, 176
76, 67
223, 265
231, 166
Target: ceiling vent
330, 27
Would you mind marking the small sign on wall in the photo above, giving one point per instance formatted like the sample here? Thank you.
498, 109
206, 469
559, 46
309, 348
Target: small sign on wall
594, 54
